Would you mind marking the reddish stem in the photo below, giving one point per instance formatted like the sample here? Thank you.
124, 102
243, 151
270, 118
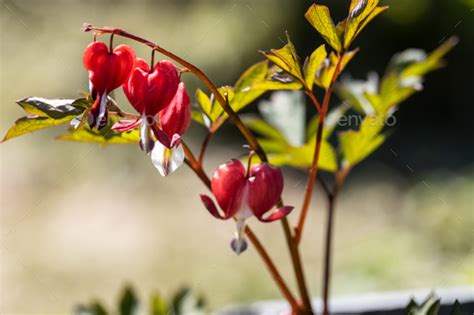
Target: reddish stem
314, 165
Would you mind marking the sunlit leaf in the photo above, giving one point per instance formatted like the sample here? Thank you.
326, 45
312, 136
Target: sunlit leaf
287, 59
353, 92
244, 94
44, 113
204, 102
302, 157
104, 136
432, 62
361, 12
320, 19
262, 128
356, 145
314, 63
326, 72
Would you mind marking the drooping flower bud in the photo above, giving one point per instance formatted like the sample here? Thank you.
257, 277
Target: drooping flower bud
242, 194
107, 71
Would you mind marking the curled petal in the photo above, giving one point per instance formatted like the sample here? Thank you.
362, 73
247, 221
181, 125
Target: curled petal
126, 125
276, 215
211, 207
167, 160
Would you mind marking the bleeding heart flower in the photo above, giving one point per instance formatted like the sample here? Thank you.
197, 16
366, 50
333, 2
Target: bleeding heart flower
107, 70
168, 154
149, 91
242, 194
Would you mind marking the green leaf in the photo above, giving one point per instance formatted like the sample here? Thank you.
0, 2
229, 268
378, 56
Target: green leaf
315, 61
44, 113
128, 303
244, 94
432, 62
104, 136
320, 19
326, 72
353, 92
204, 102
158, 305
361, 12
261, 127
302, 157
357, 145
286, 59
198, 116
53, 108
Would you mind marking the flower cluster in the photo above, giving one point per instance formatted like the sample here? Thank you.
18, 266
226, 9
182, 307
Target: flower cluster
164, 114
155, 92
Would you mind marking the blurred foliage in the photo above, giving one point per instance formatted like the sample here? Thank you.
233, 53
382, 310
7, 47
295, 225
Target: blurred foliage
431, 306
183, 302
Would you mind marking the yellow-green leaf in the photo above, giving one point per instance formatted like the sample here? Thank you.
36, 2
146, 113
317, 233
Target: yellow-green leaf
320, 19
203, 101
287, 59
32, 123
315, 61
326, 73
244, 94
104, 136
358, 11
357, 145
44, 113
432, 62
263, 128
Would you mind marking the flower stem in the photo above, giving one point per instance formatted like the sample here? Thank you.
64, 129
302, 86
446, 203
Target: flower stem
328, 238
314, 165
204, 146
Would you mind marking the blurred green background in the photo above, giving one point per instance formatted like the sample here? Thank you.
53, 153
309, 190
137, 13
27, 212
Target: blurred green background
78, 220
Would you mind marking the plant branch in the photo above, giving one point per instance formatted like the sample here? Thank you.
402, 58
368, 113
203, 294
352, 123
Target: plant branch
314, 165
197, 72
204, 145
297, 266
332, 196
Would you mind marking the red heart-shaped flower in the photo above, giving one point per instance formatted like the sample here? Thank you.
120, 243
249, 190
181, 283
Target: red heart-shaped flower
151, 91
108, 70
240, 195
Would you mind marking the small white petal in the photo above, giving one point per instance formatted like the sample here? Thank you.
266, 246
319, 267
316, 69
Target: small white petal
167, 160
